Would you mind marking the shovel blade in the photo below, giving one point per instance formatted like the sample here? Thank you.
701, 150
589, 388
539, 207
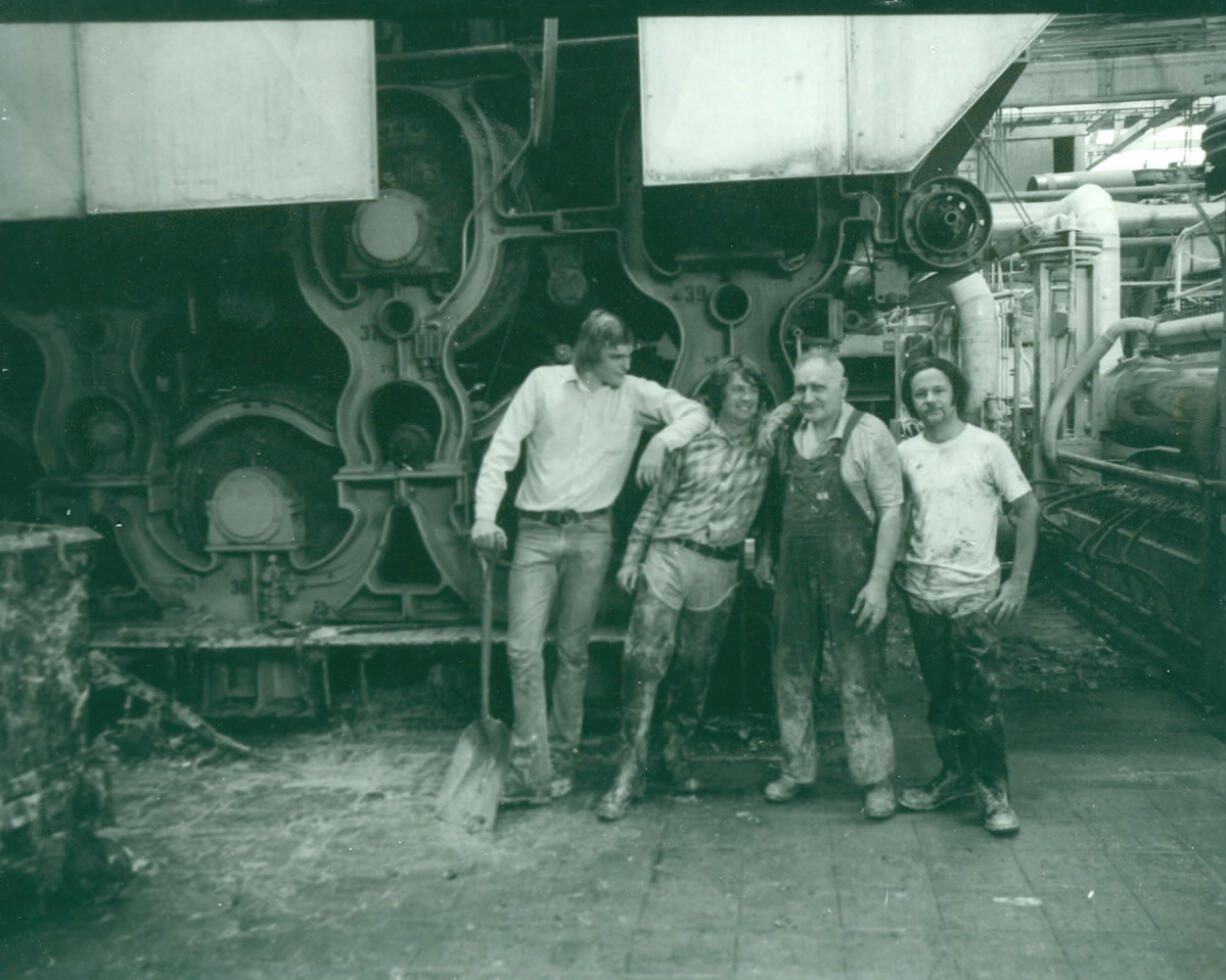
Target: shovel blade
472, 787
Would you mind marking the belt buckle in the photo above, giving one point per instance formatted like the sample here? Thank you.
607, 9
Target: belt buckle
566, 517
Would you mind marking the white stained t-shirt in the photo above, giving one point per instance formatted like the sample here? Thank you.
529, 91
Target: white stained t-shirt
955, 489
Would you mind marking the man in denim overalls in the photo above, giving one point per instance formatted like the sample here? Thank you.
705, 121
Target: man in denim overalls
839, 530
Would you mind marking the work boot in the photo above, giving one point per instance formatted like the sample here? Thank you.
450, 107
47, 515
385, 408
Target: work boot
784, 789
615, 804
879, 801
998, 815
949, 787
517, 792
677, 763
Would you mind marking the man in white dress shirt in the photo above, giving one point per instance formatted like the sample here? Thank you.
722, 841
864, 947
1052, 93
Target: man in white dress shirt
580, 425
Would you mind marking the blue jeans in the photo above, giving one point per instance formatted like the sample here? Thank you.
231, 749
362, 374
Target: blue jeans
568, 563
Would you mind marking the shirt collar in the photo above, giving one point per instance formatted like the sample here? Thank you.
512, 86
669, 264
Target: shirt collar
840, 427
571, 376
715, 428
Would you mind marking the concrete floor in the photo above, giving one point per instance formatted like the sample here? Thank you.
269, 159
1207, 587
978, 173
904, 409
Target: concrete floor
323, 861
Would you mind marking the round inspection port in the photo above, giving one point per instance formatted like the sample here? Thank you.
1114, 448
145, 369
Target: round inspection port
396, 319
730, 304
391, 230
90, 334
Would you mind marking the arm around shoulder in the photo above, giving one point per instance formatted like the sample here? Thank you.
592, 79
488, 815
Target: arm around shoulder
682, 417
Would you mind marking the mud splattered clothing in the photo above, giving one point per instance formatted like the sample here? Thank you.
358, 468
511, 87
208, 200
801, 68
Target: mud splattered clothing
956, 488
950, 572
958, 648
826, 555
708, 495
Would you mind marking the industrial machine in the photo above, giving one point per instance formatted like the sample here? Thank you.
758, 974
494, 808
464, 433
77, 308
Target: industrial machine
273, 414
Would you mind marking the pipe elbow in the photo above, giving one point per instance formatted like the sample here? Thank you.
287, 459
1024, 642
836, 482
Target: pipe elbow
1077, 374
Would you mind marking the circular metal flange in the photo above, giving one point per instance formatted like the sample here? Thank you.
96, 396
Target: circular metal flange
947, 222
729, 304
392, 229
253, 506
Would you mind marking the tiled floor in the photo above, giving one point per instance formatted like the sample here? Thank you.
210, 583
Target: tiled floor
324, 861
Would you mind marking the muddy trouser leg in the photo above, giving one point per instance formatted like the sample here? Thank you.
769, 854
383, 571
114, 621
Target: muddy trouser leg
581, 576
859, 660
700, 635
795, 658
649, 649
534, 575
975, 642
932, 637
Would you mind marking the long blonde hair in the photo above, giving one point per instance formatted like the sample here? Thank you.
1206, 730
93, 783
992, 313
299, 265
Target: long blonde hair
600, 329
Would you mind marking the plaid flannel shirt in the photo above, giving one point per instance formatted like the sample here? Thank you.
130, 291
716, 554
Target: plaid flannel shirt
709, 491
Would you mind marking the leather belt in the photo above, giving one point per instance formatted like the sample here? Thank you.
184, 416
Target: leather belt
721, 554
561, 518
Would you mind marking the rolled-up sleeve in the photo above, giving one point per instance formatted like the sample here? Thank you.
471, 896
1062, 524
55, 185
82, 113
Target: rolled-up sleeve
683, 417
883, 469
504, 449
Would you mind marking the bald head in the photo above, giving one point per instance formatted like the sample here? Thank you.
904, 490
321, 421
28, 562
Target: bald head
820, 387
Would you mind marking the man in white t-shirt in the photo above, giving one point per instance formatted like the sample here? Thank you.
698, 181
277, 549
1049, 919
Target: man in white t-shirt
957, 475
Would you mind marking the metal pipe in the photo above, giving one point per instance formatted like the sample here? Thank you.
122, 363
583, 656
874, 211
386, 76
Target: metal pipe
1077, 375
1141, 241
978, 340
1189, 330
442, 54
1130, 472
1143, 191
1131, 218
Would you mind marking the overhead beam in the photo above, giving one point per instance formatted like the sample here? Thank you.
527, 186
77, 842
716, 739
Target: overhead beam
1070, 81
1176, 110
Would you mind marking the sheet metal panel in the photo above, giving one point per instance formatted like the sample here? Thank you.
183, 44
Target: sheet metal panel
116, 117
913, 78
195, 115
40, 135
750, 98
737, 98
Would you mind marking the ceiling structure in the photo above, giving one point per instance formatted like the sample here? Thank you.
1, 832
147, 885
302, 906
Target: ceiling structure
1119, 79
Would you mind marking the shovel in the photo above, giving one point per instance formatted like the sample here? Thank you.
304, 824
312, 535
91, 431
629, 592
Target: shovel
473, 784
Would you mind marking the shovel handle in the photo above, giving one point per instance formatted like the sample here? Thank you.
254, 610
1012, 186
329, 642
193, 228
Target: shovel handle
487, 630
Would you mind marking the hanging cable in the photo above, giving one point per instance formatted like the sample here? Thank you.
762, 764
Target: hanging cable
982, 146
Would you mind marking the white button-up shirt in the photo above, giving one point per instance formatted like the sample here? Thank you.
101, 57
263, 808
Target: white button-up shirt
580, 440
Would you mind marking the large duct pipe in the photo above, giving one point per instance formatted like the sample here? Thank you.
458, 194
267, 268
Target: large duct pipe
1091, 211
978, 342
1132, 220
1191, 330
1164, 401
1077, 375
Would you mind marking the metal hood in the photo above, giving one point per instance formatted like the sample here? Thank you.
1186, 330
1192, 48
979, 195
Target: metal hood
757, 98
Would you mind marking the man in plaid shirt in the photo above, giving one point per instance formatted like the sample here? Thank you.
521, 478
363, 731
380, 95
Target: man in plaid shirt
683, 557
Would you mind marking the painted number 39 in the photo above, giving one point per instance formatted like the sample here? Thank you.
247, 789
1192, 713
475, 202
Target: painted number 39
693, 294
